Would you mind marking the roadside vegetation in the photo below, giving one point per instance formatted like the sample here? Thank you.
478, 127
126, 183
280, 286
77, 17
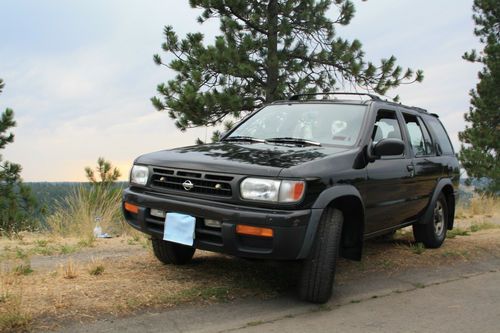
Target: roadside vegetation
77, 214
479, 153
486, 205
17, 204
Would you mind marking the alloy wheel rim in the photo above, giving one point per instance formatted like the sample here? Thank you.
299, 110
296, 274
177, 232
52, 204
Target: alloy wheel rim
439, 219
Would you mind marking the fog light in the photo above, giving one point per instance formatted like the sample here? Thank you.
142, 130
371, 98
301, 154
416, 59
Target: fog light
254, 231
158, 213
131, 208
213, 223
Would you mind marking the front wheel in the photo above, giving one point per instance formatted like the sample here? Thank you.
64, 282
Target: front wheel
318, 270
172, 253
433, 232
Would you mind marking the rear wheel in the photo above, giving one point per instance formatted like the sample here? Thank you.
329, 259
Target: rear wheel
318, 270
433, 232
172, 253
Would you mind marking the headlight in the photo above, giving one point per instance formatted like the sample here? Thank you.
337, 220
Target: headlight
272, 190
139, 175
260, 189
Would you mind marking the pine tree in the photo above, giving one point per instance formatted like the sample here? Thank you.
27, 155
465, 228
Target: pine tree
106, 174
267, 50
17, 204
480, 154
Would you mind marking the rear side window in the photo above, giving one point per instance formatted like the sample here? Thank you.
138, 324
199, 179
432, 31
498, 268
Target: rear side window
440, 135
419, 137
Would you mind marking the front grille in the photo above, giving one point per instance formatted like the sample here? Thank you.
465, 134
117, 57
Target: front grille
202, 183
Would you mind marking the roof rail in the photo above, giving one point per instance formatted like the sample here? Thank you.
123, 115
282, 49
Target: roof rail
296, 97
418, 109
414, 108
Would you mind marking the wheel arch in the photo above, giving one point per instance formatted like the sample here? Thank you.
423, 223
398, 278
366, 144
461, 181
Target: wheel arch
444, 186
348, 200
450, 202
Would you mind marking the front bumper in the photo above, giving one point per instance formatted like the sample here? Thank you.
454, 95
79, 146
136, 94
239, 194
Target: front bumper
289, 226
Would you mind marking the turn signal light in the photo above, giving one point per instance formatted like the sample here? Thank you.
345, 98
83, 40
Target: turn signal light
254, 231
131, 208
291, 190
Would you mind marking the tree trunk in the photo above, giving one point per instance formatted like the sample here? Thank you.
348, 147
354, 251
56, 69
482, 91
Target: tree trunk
272, 55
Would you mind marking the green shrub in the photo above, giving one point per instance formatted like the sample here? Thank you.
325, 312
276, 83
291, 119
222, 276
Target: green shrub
417, 248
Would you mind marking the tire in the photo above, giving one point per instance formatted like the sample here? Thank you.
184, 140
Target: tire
318, 270
172, 253
433, 232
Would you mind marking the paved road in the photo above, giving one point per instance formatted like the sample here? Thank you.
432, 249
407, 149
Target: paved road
463, 298
465, 305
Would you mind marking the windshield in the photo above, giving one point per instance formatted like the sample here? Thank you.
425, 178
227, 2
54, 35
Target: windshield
336, 124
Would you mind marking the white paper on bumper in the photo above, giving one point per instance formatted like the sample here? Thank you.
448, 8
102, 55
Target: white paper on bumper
179, 228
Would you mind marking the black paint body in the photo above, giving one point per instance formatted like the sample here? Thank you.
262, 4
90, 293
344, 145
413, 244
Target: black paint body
375, 195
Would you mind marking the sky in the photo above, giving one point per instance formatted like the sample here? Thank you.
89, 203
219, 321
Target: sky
79, 74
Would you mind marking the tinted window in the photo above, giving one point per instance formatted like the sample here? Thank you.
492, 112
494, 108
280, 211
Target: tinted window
386, 126
419, 137
337, 124
441, 136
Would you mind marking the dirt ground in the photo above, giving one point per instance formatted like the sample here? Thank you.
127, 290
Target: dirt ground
46, 283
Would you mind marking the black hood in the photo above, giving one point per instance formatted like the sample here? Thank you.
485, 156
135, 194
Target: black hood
259, 159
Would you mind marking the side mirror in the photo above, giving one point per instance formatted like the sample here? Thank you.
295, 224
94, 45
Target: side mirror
388, 147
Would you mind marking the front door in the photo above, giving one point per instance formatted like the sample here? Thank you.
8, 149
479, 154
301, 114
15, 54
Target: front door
390, 178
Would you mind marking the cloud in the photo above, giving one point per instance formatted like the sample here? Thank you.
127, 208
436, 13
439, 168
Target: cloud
80, 74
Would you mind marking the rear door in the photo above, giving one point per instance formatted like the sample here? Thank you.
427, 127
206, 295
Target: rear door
427, 166
389, 178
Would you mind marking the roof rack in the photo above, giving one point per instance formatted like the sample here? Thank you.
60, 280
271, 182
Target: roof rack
417, 109
414, 108
296, 97
373, 97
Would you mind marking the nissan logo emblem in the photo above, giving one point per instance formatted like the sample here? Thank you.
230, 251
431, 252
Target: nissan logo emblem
188, 185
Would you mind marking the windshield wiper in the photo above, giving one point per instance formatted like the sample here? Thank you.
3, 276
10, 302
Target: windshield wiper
244, 138
291, 140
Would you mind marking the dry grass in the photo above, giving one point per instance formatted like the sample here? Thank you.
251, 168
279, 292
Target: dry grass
478, 205
13, 313
35, 244
139, 281
23, 269
475, 227
69, 269
96, 267
75, 216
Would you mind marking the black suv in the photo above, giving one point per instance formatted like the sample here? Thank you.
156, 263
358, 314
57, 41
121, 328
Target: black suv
303, 179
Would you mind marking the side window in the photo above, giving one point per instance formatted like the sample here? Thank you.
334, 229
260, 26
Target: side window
419, 137
386, 126
441, 136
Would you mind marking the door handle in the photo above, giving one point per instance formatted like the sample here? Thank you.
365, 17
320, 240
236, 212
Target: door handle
410, 167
